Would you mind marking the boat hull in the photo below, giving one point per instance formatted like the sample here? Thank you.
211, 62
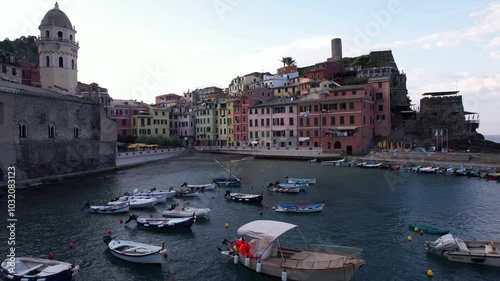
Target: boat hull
224, 182
301, 180
245, 198
339, 274
67, 273
153, 257
299, 208
165, 224
108, 209
198, 212
491, 260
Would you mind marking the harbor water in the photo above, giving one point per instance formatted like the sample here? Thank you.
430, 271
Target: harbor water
366, 208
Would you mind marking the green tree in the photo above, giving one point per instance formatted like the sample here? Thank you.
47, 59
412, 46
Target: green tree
288, 61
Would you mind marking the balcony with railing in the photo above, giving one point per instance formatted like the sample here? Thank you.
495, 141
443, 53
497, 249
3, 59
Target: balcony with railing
53, 39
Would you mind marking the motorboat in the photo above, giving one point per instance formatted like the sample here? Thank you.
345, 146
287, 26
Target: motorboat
128, 196
187, 193
244, 197
176, 211
371, 165
153, 192
265, 254
333, 162
135, 203
483, 252
135, 252
33, 269
163, 223
227, 182
120, 207
301, 180
299, 208
312, 160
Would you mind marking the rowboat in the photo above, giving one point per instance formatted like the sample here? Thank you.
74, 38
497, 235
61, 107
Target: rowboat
185, 211
199, 187
299, 208
427, 229
159, 198
32, 269
482, 252
332, 163
136, 203
135, 252
265, 254
227, 182
244, 197
108, 209
187, 193
163, 223
154, 192
312, 161
284, 189
301, 180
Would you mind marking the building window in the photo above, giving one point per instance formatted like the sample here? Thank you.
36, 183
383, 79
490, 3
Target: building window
4, 68
315, 120
380, 84
23, 130
379, 96
290, 121
14, 71
47, 33
351, 105
323, 121
73, 64
341, 120
291, 133
124, 122
332, 120
71, 37
61, 62
337, 145
291, 109
380, 107
351, 119
51, 131
124, 132
307, 122
47, 61
353, 92
60, 34
156, 131
76, 132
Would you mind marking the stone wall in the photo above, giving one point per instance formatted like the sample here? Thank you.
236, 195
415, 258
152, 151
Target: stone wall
442, 113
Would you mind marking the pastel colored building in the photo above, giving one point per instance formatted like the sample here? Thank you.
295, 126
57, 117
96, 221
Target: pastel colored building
273, 123
160, 125
241, 84
167, 100
30, 73
10, 69
122, 112
321, 71
182, 122
205, 124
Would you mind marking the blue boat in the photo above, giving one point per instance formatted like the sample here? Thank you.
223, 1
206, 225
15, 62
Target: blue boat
299, 208
301, 186
227, 182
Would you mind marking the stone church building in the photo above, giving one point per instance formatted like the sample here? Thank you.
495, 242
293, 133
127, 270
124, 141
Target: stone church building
51, 130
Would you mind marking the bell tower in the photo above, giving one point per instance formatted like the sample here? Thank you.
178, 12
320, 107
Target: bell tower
58, 52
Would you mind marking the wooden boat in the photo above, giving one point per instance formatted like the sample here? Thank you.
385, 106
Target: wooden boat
301, 180
299, 208
200, 187
495, 176
371, 165
244, 197
108, 209
154, 192
288, 187
227, 182
135, 252
467, 251
128, 196
332, 163
187, 193
32, 269
265, 254
163, 223
428, 229
136, 203
176, 211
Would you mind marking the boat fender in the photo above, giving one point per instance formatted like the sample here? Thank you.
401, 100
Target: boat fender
235, 259
259, 266
283, 275
247, 261
165, 254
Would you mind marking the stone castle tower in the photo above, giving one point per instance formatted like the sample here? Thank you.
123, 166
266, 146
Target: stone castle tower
58, 52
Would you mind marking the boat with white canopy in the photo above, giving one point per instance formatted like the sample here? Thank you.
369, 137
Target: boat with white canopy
265, 254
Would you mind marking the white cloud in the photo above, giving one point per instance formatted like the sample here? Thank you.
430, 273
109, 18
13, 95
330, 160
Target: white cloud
494, 43
448, 44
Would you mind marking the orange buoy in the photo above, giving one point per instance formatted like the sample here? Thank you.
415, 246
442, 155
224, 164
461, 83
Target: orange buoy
109, 231
51, 255
121, 220
71, 245
421, 232
165, 254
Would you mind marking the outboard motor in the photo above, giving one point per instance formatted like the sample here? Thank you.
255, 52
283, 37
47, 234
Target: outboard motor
442, 244
132, 217
107, 239
228, 192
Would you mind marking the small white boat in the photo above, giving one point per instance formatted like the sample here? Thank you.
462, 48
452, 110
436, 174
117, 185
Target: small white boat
267, 255
200, 187
187, 193
244, 197
371, 165
135, 252
301, 180
466, 251
332, 163
159, 198
163, 223
153, 192
176, 211
108, 209
299, 208
312, 161
136, 203
32, 269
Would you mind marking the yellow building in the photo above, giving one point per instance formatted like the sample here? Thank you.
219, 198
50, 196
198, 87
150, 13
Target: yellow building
153, 123
230, 124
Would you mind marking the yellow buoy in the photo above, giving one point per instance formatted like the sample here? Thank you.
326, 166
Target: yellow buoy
430, 273
226, 225
415, 229
409, 238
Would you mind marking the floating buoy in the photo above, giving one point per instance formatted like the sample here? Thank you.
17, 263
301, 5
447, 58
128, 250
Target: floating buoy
409, 238
235, 259
71, 245
226, 225
150, 215
121, 220
259, 267
165, 254
51, 255
415, 229
283, 275
213, 197
109, 231
247, 261
261, 213
430, 273
421, 232
184, 199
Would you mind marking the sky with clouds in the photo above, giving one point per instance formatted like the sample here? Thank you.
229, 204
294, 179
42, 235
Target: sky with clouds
141, 49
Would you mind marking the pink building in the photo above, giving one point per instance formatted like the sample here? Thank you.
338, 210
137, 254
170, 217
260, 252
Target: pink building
122, 112
345, 119
273, 123
241, 109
